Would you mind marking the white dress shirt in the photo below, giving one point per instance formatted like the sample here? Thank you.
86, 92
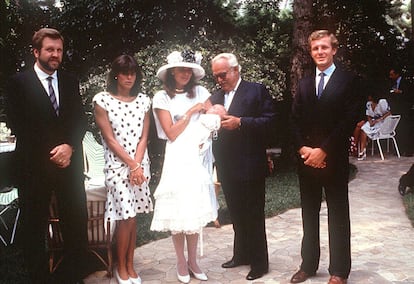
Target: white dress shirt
43, 79
228, 97
328, 72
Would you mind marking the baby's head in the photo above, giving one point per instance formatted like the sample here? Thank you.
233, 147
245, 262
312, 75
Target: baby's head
217, 109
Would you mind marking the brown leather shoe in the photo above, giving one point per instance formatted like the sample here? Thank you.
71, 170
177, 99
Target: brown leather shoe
300, 276
336, 280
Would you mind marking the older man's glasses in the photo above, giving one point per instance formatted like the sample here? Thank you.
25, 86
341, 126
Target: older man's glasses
222, 75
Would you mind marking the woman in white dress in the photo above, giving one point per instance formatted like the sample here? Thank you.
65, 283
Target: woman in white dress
376, 110
184, 199
122, 114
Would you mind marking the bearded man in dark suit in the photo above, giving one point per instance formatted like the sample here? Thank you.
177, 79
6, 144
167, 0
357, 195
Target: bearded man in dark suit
240, 153
45, 113
324, 113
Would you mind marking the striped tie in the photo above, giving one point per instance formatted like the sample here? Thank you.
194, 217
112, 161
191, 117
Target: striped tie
320, 85
52, 95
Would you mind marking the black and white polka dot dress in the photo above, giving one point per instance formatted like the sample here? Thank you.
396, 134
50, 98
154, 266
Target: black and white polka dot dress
127, 120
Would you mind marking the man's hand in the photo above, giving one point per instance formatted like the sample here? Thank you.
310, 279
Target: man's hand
61, 155
230, 122
313, 157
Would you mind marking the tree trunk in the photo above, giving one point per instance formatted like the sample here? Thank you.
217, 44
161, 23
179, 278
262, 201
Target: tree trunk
301, 61
412, 21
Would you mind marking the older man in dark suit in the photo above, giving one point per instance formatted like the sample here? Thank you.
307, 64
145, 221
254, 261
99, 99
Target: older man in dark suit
324, 113
45, 112
240, 153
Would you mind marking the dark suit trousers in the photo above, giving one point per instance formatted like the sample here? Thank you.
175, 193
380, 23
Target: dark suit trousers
245, 201
336, 192
34, 194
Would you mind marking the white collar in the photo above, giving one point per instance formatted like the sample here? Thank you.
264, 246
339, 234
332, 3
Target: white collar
328, 71
43, 75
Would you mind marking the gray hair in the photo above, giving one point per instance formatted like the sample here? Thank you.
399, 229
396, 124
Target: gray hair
230, 57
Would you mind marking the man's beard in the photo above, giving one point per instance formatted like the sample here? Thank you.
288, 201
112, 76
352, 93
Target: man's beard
47, 66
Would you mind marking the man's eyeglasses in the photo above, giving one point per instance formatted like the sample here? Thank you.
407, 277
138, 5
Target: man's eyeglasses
222, 75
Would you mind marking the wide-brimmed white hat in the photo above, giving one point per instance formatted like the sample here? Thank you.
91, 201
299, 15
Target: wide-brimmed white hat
187, 59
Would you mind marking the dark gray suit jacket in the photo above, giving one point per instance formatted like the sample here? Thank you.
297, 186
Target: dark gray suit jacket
37, 128
241, 154
327, 123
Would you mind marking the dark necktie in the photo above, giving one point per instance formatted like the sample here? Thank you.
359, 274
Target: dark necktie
52, 95
321, 83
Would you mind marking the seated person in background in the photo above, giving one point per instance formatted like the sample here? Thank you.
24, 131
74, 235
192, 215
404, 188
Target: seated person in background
377, 110
355, 145
355, 138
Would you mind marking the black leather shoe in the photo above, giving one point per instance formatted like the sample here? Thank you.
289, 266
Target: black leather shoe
254, 274
232, 263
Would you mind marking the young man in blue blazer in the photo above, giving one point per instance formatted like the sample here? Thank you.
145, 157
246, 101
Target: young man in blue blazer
324, 114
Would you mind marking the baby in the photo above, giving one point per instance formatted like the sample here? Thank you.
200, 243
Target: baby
217, 109
211, 120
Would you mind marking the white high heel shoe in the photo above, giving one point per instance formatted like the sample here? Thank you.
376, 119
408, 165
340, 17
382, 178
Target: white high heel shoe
362, 155
200, 276
136, 280
183, 278
118, 278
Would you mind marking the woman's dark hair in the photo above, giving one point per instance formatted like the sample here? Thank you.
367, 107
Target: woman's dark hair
374, 96
124, 64
170, 85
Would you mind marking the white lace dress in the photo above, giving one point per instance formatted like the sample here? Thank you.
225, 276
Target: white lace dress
184, 199
125, 200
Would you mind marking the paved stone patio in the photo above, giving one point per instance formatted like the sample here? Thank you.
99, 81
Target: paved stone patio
382, 238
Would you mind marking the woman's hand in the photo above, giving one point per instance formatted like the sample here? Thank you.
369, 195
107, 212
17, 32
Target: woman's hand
137, 177
199, 107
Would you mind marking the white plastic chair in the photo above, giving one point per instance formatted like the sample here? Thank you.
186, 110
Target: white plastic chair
387, 131
8, 202
94, 156
100, 232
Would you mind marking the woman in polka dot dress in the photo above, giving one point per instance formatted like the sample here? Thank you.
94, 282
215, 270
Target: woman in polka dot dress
122, 114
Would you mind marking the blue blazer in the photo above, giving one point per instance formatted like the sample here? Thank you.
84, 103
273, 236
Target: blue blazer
327, 123
241, 154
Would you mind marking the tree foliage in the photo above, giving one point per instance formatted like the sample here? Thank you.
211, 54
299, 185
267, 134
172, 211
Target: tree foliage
96, 31
101, 29
369, 45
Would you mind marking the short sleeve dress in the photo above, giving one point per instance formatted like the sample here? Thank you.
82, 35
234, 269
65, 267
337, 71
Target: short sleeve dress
380, 109
184, 198
127, 120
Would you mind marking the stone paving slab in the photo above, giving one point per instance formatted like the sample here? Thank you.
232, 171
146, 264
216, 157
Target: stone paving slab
382, 238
